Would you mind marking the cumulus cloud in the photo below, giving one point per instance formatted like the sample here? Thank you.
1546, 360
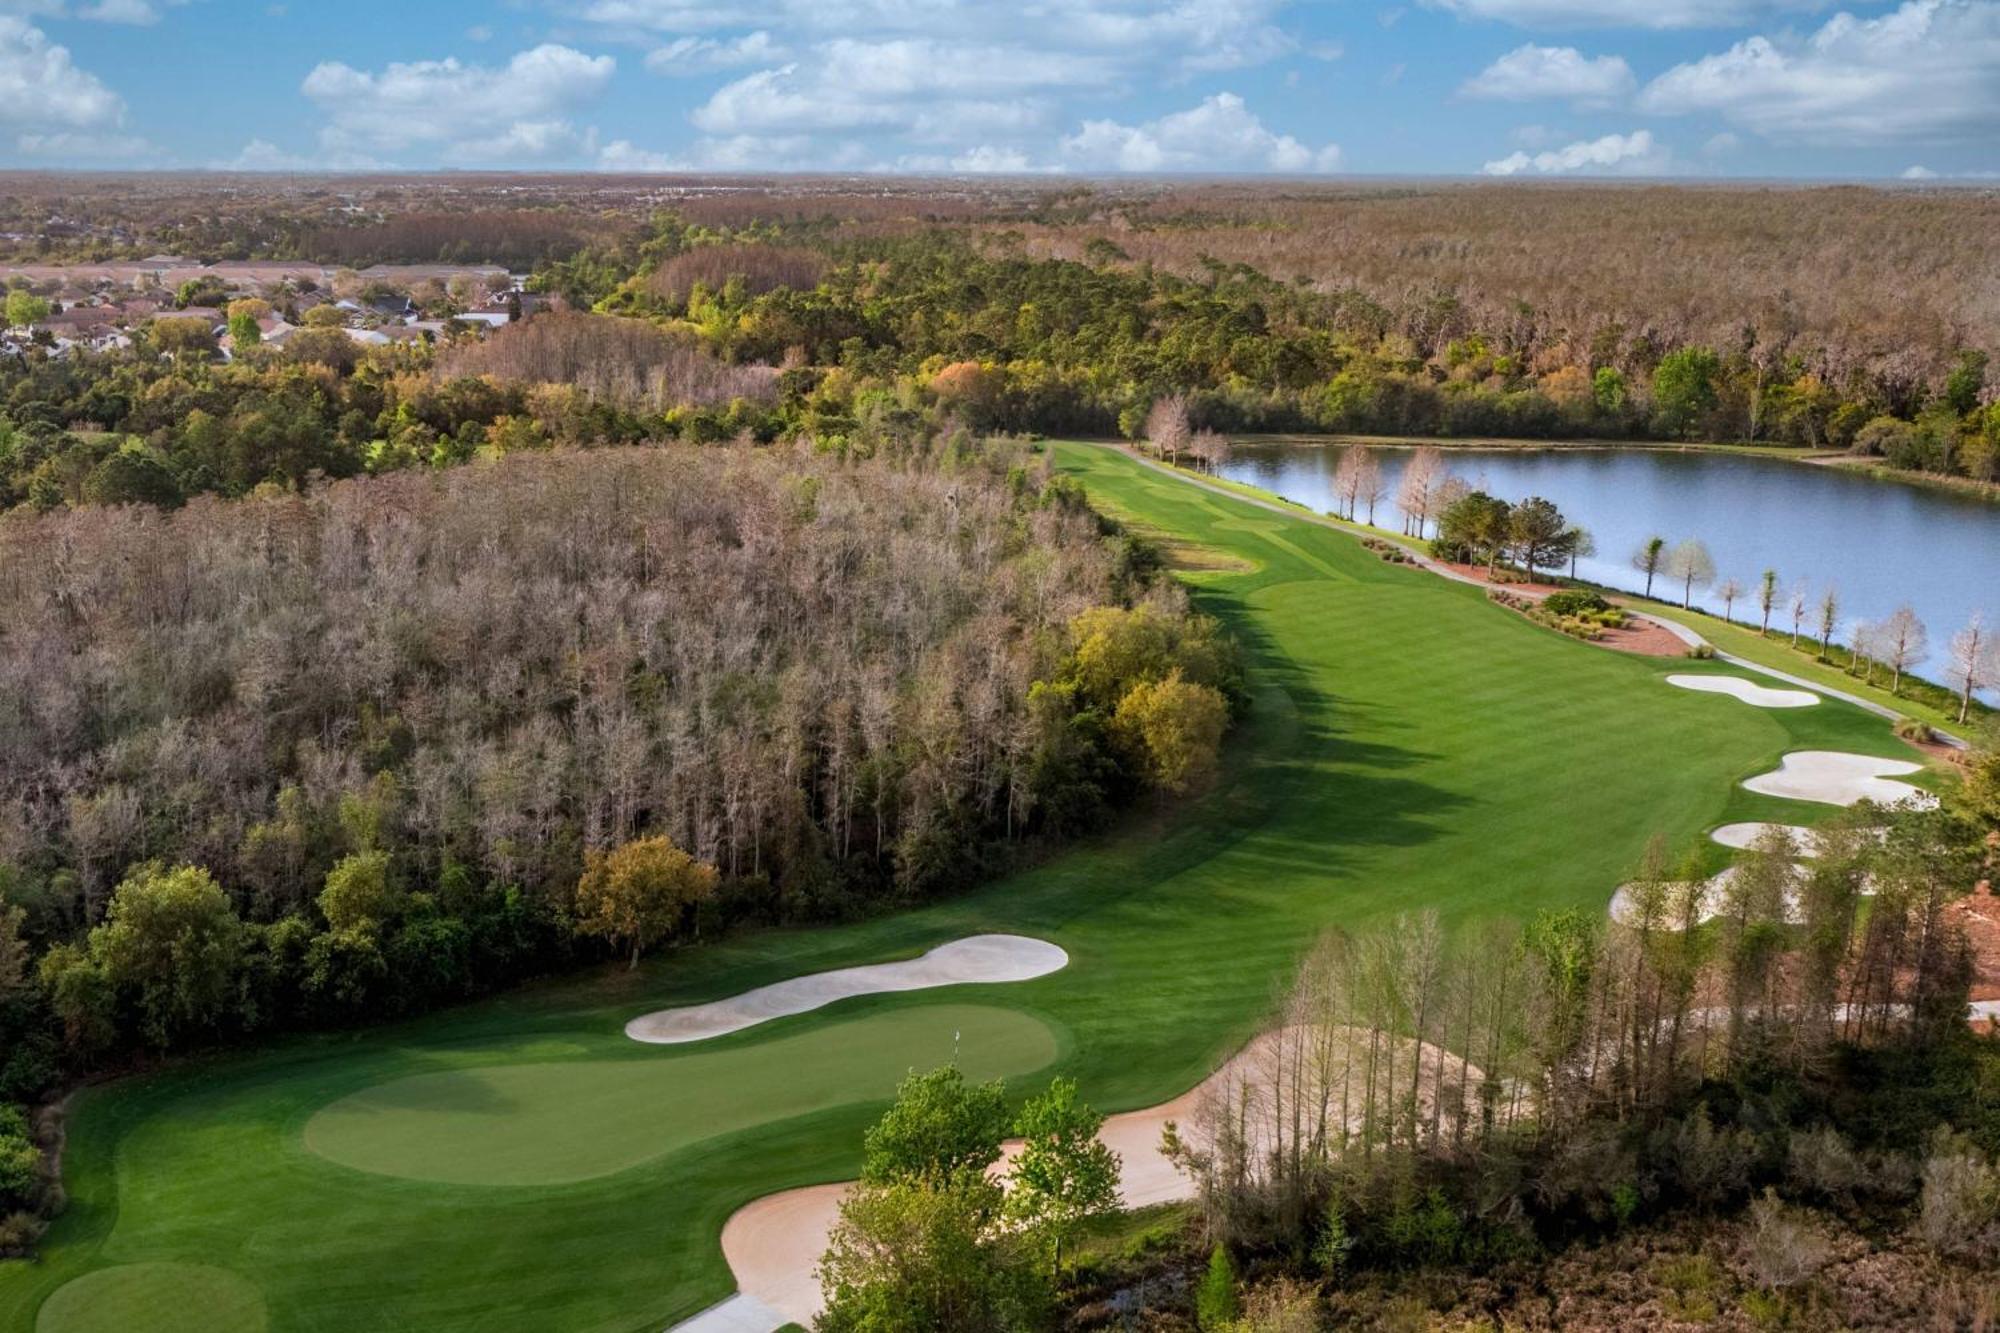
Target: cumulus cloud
1624, 154
929, 90
516, 113
1656, 14
1925, 72
42, 88
948, 81
1221, 134
1193, 34
1531, 72
70, 146
689, 55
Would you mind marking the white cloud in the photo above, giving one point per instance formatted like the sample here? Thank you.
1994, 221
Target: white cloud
1656, 14
511, 114
927, 89
942, 84
100, 11
1221, 134
122, 11
42, 88
1926, 72
1623, 154
69, 145
741, 152
1919, 174
984, 160
263, 155
1192, 34
1530, 72
687, 55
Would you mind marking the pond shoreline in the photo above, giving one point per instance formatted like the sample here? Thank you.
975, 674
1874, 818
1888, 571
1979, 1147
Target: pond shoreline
1835, 459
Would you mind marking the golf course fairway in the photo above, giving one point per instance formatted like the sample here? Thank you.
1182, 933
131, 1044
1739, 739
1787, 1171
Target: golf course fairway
1410, 745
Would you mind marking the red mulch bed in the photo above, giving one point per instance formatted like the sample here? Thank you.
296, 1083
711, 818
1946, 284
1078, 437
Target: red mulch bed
1646, 639
1477, 573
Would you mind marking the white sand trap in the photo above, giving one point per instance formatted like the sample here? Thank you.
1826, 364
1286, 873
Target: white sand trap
773, 1244
976, 958
1713, 902
1833, 777
1736, 687
1744, 836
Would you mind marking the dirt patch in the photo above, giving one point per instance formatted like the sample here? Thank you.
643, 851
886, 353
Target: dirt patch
1978, 914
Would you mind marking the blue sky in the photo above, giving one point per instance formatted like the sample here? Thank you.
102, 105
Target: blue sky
1528, 88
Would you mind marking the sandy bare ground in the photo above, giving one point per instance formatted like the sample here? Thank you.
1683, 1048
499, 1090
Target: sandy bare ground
976, 958
1759, 696
773, 1244
1833, 777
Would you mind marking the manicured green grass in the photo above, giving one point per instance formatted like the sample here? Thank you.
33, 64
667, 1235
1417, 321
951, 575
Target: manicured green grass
1410, 746
1776, 651
552, 1121
140, 1296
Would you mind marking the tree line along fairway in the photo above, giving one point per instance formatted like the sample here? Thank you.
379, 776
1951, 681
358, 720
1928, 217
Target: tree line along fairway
1409, 746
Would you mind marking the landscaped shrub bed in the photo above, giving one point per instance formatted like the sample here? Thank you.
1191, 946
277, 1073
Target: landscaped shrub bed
1389, 551
1577, 613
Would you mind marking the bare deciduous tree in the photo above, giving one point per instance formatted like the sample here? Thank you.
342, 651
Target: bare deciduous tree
1692, 566
1167, 428
1902, 642
1975, 661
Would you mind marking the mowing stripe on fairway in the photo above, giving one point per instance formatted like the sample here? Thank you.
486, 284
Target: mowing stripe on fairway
558, 1121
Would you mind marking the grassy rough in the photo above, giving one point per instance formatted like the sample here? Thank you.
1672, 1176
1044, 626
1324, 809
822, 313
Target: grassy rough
1410, 746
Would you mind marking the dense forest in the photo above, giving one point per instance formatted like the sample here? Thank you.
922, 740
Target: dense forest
1075, 315
299, 758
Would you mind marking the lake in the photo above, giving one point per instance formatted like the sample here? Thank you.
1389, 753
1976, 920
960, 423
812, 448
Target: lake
1881, 543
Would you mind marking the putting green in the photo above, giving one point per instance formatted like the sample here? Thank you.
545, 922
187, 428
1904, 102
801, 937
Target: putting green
557, 1121
156, 1296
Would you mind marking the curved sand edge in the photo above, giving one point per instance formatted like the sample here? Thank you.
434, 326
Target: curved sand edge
976, 958
1835, 777
1749, 692
1744, 836
773, 1244
1713, 901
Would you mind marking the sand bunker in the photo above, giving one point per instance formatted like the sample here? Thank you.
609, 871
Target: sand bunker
1836, 778
1744, 836
1736, 687
1714, 900
773, 1244
976, 958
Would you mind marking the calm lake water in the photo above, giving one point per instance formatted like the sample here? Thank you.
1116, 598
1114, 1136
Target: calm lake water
1881, 543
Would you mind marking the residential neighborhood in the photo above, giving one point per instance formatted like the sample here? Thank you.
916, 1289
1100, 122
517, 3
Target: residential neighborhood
100, 307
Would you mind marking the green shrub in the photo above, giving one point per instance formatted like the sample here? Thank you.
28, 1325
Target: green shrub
1215, 1302
1702, 652
1917, 733
1574, 602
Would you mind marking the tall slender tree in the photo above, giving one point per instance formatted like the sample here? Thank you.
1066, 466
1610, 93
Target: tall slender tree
1652, 553
1767, 597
